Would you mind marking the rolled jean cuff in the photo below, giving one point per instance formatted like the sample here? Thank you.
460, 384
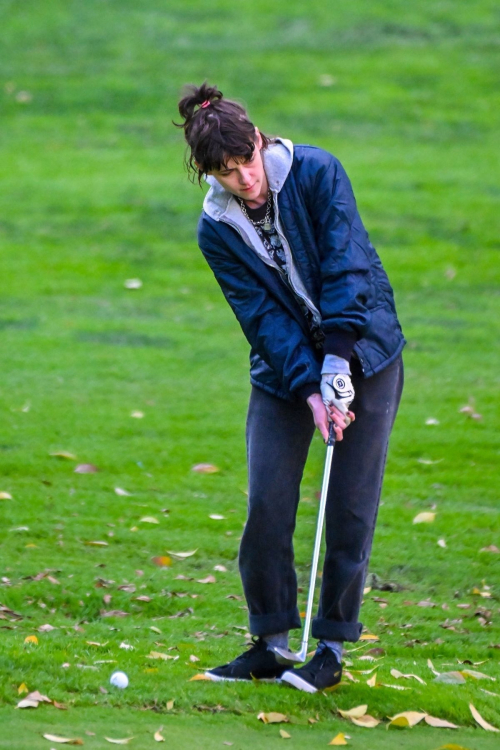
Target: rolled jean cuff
336, 631
277, 622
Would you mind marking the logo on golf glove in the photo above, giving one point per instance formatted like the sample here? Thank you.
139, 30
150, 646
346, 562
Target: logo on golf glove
337, 390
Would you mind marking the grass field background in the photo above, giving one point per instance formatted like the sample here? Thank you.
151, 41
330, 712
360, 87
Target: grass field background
94, 193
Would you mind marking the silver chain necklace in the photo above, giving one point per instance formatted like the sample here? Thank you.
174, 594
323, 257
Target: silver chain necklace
265, 223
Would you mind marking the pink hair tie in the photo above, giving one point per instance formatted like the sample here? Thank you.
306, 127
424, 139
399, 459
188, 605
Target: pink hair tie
206, 103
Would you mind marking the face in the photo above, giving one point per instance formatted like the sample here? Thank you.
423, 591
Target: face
247, 179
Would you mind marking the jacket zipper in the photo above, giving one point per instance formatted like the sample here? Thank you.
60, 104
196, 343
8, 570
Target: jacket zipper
315, 313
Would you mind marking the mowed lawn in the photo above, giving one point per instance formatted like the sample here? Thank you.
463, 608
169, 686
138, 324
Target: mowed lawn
146, 383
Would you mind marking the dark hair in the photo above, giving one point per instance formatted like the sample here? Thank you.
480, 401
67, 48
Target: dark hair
216, 130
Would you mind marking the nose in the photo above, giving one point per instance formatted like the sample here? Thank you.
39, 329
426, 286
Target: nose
245, 178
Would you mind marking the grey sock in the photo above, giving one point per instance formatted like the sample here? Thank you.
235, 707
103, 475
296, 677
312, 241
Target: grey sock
277, 640
336, 647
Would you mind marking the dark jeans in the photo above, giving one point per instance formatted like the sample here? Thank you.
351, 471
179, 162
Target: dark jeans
278, 437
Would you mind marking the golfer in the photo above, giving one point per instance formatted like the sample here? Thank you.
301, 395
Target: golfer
282, 234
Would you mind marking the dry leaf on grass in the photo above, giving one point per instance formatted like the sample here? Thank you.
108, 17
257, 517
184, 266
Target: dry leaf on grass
367, 721
46, 628
122, 493
208, 579
452, 746
5, 496
426, 517
132, 283
182, 555
64, 454
163, 561
31, 639
158, 736
97, 544
86, 469
372, 682
200, 676
354, 713
205, 469
159, 655
216, 517
23, 688
491, 548
63, 740
406, 719
169, 705
284, 734
220, 568
397, 674
27, 703
477, 675
148, 519
369, 637
482, 722
124, 741
433, 721
450, 678
339, 739
272, 718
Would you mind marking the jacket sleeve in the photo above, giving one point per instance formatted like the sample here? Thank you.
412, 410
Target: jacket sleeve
345, 267
267, 326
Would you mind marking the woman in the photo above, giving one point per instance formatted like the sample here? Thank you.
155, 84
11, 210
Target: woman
283, 237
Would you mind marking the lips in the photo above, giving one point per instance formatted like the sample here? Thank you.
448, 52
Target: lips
248, 188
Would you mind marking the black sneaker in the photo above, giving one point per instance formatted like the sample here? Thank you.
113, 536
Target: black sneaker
257, 663
323, 671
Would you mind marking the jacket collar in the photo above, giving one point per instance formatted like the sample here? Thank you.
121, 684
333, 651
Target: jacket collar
277, 158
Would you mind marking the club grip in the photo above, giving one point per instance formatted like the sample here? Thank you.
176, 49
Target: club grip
331, 434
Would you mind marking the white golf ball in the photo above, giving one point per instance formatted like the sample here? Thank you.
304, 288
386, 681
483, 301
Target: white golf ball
119, 680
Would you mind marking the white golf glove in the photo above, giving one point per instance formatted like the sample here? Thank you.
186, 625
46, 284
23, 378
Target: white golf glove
337, 390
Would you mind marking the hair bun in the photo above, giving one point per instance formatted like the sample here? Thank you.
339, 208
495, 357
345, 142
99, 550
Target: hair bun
194, 97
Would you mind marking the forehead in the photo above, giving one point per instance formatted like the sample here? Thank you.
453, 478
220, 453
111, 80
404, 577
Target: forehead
231, 162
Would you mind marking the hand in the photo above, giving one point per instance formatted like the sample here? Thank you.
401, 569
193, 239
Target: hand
321, 418
338, 393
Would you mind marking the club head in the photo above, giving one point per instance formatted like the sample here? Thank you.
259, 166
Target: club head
288, 658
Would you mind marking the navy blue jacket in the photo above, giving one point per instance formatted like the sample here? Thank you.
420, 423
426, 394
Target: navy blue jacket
336, 263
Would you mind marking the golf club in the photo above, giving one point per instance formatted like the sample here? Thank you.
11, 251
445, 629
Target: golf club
283, 655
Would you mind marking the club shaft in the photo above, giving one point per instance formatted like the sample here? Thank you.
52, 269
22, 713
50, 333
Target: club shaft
317, 544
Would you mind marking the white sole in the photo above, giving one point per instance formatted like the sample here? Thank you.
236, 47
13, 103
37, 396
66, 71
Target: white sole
293, 679
217, 678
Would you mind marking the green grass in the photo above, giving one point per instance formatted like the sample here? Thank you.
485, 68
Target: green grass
93, 193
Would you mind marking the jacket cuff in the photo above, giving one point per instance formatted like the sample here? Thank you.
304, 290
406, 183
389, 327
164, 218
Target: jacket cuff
307, 390
340, 342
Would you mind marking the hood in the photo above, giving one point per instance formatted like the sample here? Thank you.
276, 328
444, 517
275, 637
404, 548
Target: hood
277, 158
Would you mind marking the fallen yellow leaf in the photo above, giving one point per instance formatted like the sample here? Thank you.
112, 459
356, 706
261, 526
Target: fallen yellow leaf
284, 734
426, 517
339, 739
406, 719
149, 519
162, 561
22, 688
169, 705
199, 677
31, 639
397, 674
477, 675
158, 736
355, 712
5, 496
482, 723
369, 637
372, 682
272, 718
64, 454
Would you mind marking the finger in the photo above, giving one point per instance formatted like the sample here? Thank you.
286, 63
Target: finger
339, 435
339, 419
352, 415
